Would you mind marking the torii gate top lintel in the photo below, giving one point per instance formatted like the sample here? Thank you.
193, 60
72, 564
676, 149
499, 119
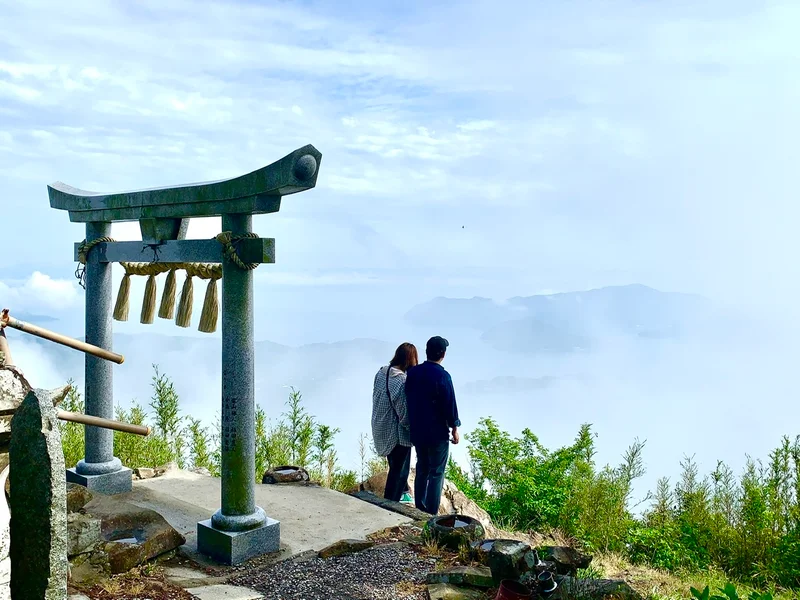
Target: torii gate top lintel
258, 192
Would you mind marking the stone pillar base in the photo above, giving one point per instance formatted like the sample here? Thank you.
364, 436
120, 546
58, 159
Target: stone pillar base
109, 484
236, 547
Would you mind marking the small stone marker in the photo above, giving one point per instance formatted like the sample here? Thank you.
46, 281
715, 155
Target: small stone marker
38, 502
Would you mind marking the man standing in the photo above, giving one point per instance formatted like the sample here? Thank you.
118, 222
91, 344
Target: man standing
432, 416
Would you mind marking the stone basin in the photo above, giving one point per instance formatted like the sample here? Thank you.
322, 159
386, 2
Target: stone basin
454, 531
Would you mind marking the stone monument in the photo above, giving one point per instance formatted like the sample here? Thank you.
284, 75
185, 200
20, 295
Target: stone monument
239, 529
38, 501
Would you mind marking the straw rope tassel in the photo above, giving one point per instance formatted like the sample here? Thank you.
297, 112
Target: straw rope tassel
123, 298
167, 308
184, 316
149, 302
208, 319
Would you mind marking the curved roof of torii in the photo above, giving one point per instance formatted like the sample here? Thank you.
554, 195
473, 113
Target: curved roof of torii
254, 193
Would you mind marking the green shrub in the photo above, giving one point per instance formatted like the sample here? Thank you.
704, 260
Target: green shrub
746, 527
296, 438
72, 434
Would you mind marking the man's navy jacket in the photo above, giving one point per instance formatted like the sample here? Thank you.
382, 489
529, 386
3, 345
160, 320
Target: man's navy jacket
432, 408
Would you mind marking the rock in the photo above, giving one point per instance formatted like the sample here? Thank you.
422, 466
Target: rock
455, 502
471, 576
83, 533
445, 591
167, 468
132, 535
453, 531
145, 473
38, 501
89, 568
13, 387
77, 497
286, 474
201, 471
595, 589
507, 559
568, 560
345, 547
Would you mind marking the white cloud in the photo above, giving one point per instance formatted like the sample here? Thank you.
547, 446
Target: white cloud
40, 293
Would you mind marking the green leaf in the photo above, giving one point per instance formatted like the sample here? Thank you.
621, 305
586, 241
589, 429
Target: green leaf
730, 591
700, 595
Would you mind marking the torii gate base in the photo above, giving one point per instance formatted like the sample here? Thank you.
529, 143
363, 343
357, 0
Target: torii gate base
239, 530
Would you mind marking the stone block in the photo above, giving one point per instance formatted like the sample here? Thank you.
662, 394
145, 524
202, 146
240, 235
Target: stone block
145, 473
236, 547
480, 577
77, 497
83, 532
110, 484
132, 534
568, 560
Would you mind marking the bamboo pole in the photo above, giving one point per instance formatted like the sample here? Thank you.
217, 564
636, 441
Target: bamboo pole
7, 360
73, 417
8, 321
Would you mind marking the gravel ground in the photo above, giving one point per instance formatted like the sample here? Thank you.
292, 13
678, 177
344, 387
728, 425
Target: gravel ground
386, 572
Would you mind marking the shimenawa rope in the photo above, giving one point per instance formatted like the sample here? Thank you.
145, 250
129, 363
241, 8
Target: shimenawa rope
183, 318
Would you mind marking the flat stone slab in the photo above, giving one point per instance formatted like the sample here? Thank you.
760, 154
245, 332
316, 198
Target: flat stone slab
224, 592
178, 575
470, 576
311, 518
412, 512
445, 591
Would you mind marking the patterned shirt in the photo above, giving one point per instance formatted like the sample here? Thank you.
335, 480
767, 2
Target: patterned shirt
389, 413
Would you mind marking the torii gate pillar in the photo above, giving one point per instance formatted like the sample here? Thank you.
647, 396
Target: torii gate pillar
239, 530
99, 470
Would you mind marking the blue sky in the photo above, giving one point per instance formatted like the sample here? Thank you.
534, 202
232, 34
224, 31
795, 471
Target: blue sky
577, 143
469, 148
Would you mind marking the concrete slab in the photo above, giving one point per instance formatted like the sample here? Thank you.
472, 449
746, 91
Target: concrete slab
311, 517
224, 592
186, 577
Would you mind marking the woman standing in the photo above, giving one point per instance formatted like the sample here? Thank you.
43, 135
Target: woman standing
390, 421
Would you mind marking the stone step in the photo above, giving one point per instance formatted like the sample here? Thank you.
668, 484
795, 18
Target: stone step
224, 592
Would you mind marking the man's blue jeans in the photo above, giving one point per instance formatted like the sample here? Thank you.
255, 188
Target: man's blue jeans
431, 463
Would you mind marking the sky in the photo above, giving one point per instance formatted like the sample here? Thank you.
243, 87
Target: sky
469, 149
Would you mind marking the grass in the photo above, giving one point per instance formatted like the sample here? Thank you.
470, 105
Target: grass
655, 584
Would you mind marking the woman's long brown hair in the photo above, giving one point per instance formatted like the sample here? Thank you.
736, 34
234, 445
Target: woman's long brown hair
405, 357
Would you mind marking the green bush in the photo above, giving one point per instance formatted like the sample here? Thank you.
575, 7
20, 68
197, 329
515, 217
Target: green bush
295, 439
72, 437
747, 527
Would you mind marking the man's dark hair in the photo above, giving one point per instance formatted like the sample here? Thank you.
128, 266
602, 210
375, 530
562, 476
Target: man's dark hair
435, 348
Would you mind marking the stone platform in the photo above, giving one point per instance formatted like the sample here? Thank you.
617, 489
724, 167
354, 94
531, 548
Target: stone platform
311, 518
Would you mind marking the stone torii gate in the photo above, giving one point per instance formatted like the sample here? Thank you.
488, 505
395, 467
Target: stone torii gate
239, 530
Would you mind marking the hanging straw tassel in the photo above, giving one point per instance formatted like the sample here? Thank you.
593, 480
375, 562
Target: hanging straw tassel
149, 302
123, 297
167, 308
208, 319
184, 316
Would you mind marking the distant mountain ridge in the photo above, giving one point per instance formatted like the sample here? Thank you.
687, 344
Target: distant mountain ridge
569, 321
